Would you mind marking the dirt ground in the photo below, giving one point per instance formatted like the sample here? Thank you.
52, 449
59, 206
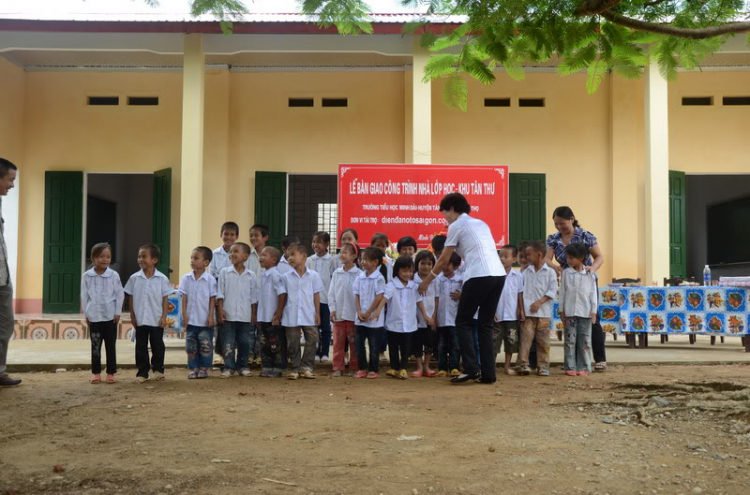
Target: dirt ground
631, 430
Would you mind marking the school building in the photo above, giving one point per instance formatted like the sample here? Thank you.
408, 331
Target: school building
160, 128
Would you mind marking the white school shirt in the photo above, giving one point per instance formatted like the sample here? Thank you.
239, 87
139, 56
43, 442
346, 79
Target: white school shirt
475, 245
402, 306
300, 293
447, 307
368, 287
507, 307
253, 262
101, 295
341, 294
199, 293
239, 291
148, 296
271, 286
428, 300
284, 267
325, 267
578, 293
220, 261
537, 284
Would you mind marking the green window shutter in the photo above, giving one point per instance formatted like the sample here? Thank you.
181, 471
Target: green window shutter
677, 224
63, 238
270, 204
162, 211
528, 203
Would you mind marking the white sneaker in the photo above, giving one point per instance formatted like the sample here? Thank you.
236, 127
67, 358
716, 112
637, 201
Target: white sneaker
317, 359
140, 379
308, 374
159, 377
225, 374
246, 372
325, 359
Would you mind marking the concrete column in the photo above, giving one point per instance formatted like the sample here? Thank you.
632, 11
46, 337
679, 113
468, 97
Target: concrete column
421, 109
657, 176
191, 169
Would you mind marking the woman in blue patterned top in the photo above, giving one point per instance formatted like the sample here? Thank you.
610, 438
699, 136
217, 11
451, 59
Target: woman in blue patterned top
569, 231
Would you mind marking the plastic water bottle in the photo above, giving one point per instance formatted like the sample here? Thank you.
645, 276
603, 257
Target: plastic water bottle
706, 276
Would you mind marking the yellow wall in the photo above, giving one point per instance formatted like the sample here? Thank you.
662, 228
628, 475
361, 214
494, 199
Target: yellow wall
12, 96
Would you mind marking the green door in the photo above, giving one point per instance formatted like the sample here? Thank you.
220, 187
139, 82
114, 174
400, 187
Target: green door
528, 202
63, 239
677, 225
270, 204
162, 216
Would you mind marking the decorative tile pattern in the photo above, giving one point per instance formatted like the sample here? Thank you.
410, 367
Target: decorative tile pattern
40, 330
71, 330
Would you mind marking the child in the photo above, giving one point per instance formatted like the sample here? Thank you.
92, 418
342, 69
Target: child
508, 314
347, 236
407, 246
524, 264
258, 239
286, 243
101, 300
341, 302
198, 289
539, 289
323, 263
578, 309
368, 294
381, 242
404, 302
438, 245
148, 290
237, 296
426, 337
299, 303
270, 332
447, 307
230, 231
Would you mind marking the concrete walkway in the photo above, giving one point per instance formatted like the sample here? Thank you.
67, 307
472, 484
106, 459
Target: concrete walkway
49, 355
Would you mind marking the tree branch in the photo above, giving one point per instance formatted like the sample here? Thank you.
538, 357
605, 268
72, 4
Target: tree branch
688, 33
594, 7
654, 3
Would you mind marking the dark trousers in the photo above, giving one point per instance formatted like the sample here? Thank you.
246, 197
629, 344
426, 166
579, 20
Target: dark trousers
143, 336
324, 331
371, 338
103, 332
399, 349
272, 347
482, 293
597, 343
448, 354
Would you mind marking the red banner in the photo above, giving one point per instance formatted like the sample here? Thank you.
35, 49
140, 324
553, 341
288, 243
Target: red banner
403, 200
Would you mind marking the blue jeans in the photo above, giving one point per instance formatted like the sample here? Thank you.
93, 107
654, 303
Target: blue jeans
199, 346
577, 344
237, 338
448, 349
324, 331
372, 338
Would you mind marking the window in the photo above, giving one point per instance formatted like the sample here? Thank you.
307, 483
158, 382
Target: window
697, 101
736, 100
103, 100
328, 215
531, 102
143, 101
335, 102
497, 102
301, 102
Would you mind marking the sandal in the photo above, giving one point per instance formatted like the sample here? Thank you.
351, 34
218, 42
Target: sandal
202, 374
95, 379
430, 374
600, 366
192, 375
417, 374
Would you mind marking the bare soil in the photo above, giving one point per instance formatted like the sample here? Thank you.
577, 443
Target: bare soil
631, 430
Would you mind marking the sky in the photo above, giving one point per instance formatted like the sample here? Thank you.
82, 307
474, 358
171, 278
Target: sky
165, 6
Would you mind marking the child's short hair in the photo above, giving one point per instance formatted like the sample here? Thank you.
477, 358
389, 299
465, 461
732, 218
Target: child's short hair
98, 249
538, 246
513, 249
289, 240
244, 247
262, 229
455, 261
438, 243
373, 254
423, 255
455, 201
379, 237
402, 263
407, 241
351, 231
522, 247
273, 252
577, 250
296, 248
153, 251
230, 226
206, 252
323, 236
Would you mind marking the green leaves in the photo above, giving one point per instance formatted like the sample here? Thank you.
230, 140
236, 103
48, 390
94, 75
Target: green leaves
224, 10
455, 92
351, 17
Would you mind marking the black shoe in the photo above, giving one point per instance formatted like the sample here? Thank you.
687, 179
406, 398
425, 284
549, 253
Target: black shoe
485, 382
464, 378
6, 381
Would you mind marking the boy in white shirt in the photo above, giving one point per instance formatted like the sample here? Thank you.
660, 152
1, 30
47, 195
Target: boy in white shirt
299, 302
237, 296
230, 231
198, 289
270, 332
323, 263
508, 313
447, 307
284, 267
539, 289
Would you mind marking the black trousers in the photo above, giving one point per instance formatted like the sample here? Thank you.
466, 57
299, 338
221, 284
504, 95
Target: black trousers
399, 349
143, 336
482, 293
597, 343
103, 332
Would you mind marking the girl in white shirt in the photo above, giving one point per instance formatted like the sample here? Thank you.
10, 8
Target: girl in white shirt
425, 341
341, 302
101, 298
368, 293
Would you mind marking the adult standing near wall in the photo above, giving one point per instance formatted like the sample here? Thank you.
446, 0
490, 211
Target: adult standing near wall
483, 282
569, 231
7, 179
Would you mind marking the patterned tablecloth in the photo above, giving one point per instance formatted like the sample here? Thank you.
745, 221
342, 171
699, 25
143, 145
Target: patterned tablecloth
691, 310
